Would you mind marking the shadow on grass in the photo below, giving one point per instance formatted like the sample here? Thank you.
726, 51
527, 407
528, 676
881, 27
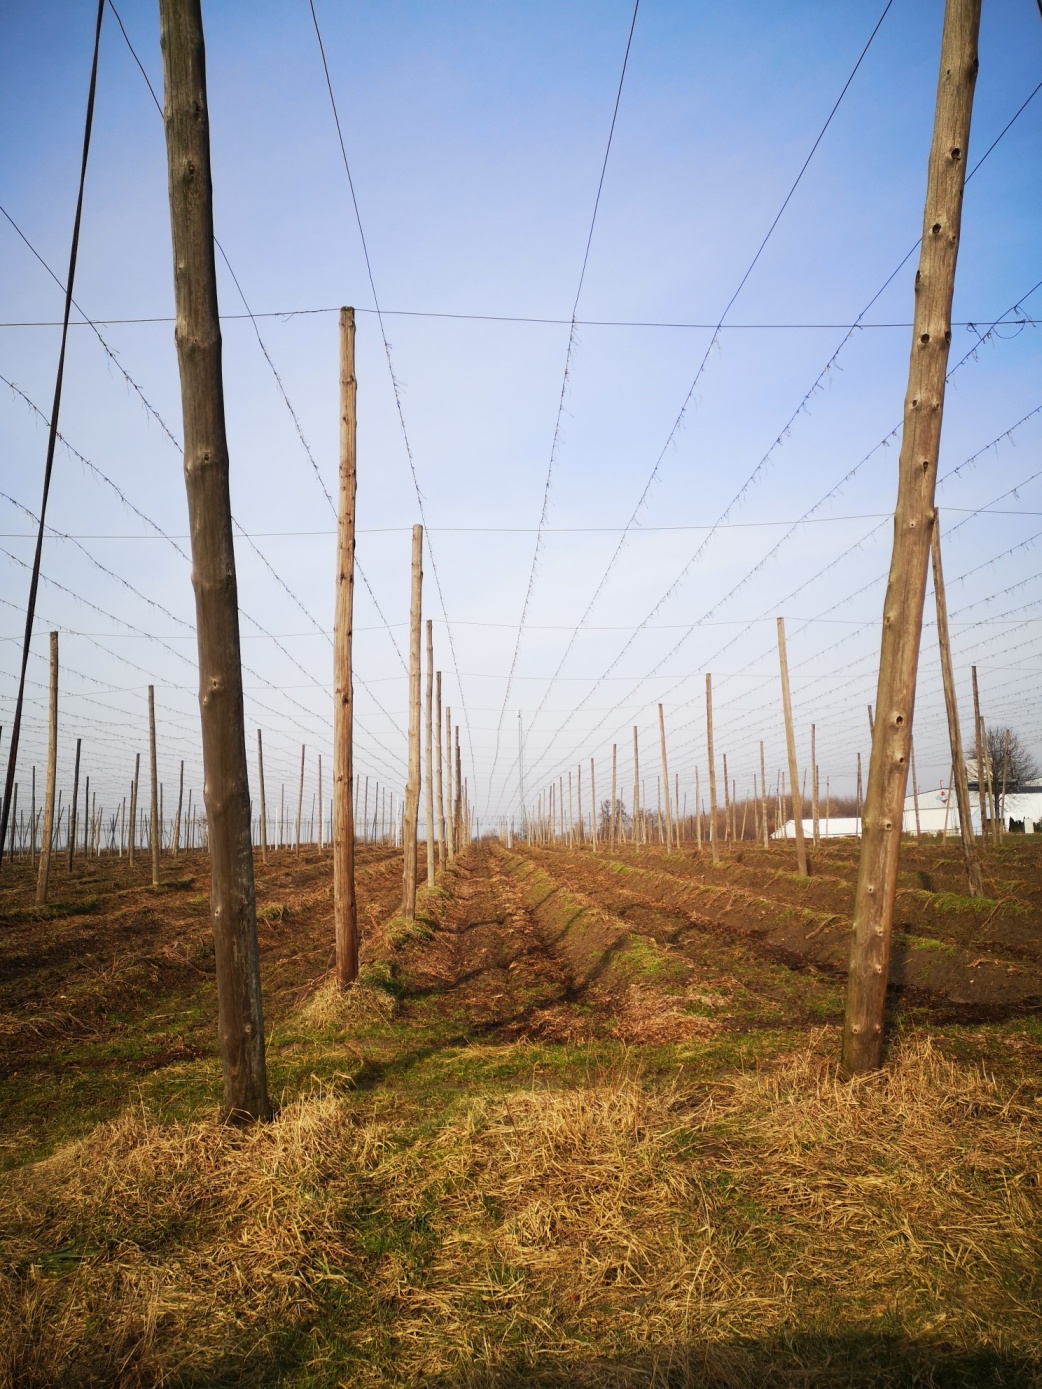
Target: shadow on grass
856, 1360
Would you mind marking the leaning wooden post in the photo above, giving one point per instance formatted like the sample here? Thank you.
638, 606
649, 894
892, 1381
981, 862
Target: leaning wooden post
439, 781
180, 801
345, 903
72, 808
712, 770
913, 521
44, 869
763, 799
412, 790
154, 834
263, 801
790, 743
429, 769
665, 778
226, 785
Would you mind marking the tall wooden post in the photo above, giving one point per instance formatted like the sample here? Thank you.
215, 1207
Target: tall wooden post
763, 799
345, 902
461, 842
226, 785
981, 770
665, 777
412, 790
698, 813
154, 781
727, 802
44, 869
439, 785
913, 522
790, 743
180, 801
593, 806
450, 825
72, 808
133, 807
714, 846
429, 799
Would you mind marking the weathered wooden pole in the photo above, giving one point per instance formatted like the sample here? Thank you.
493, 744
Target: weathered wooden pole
665, 776
429, 769
412, 790
72, 808
790, 743
132, 844
226, 784
450, 819
712, 770
913, 522
154, 830
698, 813
460, 837
44, 869
1002, 802
860, 797
180, 802
593, 805
300, 798
439, 784
727, 802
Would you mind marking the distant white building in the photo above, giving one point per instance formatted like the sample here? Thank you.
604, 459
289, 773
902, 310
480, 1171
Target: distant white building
937, 815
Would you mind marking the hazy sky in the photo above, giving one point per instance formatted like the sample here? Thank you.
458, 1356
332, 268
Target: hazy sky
476, 135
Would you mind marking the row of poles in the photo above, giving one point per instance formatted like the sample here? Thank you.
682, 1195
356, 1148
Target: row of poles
206, 469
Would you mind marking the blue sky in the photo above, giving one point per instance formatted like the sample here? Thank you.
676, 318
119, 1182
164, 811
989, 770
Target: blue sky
476, 134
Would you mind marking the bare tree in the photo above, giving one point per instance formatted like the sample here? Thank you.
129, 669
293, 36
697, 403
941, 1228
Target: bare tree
1012, 763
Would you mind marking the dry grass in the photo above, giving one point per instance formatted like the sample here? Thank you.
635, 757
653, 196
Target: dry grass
780, 1227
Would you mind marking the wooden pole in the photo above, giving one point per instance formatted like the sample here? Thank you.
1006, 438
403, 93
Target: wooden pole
790, 743
913, 522
226, 781
698, 813
300, 799
579, 800
460, 839
1002, 802
72, 808
450, 818
180, 800
132, 844
154, 835
263, 801
727, 802
429, 801
43, 872
443, 856
712, 771
636, 791
412, 790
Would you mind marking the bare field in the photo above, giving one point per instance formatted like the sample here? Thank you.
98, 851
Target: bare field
578, 1124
